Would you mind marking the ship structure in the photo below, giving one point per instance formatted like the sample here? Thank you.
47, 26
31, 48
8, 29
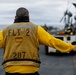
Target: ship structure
69, 28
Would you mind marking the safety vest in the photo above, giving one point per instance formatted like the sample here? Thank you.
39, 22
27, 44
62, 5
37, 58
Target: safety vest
21, 45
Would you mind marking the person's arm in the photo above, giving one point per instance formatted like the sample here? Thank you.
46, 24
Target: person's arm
47, 39
1, 39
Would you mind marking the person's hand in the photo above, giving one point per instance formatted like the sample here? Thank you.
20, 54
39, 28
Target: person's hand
74, 48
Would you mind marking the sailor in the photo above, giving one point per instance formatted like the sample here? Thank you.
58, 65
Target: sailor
21, 41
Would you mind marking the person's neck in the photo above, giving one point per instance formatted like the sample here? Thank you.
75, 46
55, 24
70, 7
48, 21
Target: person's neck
21, 19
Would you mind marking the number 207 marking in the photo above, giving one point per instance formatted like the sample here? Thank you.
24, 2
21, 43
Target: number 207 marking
19, 55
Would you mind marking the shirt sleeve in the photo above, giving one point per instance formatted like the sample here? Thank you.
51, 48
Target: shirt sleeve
47, 39
1, 39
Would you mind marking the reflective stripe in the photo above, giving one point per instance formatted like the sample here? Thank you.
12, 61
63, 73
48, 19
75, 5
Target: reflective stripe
19, 26
21, 60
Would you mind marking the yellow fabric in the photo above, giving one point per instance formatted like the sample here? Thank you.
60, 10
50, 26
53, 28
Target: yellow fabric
21, 69
1, 39
20, 42
46, 39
